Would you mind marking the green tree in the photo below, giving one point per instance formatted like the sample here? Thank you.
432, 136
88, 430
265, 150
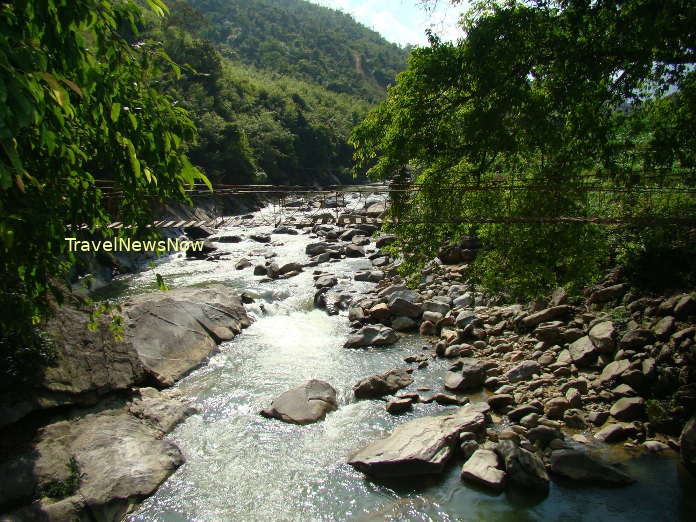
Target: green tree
77, 102
558, 109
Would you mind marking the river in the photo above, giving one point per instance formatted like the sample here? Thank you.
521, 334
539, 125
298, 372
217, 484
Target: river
242, 466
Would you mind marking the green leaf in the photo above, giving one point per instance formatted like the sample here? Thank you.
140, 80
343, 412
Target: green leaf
115, 111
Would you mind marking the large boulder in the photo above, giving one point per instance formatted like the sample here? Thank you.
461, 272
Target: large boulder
173, 332
524, 468
687, 444
603, 336
628, 409
372, 335
418, 447
314, 249
548, 314
305, 404
580, 467
482, 469
102, 462
386, 383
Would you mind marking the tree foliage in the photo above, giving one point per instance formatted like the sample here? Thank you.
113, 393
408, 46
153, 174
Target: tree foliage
78, 102
556, 108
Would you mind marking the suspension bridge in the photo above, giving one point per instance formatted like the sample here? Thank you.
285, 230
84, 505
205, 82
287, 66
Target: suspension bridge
303, 205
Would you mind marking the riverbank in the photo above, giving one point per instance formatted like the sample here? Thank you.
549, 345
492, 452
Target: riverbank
450, 346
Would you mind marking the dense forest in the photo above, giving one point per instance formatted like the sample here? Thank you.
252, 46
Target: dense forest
562, 133
274, 87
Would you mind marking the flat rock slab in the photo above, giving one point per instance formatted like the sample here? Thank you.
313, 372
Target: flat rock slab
581, 467
173, 332
120, 458
418, 447
305, 404
482, 469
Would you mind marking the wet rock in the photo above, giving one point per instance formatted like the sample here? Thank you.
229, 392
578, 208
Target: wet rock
543, 434
420, 446
482, 469
523, 371
382, 384
469, 377
522, 411
687, 444
260, 238
583, 352
380, 312
403, 324
574, 418
655, 446
260, 270
580, 467
289, 267
305, 404
354, 251
283, 229
314, 249
325, 281
524, 468
372, 335
242, 264
628, 409
615, 432
225, 238
175, 331
399, 405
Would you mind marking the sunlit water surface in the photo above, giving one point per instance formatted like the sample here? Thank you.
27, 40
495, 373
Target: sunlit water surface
241, 466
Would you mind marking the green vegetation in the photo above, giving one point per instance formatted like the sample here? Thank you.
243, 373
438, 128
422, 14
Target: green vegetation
273, 86
78, 102
546, 109
64, 488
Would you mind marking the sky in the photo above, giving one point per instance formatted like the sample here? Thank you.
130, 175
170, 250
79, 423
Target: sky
402, 21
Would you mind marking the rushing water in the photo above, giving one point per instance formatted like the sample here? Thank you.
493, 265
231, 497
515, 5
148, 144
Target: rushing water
241, 466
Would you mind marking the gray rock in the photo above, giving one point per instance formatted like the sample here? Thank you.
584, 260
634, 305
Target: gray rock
685, 307
687, 444
354, 251
382, 384
634, 339
470, 377
664, 327
548, 314
314, 249
615, 432
610, 293
482, 469
628, 409
289, 267
260, 238
523, 371
581, 467
403, 324
396, 406
613, 370
372, 335
120, 460
556, 407
285, 230
524, 468
583, 352
305, 404
603, 336
421, 446
500, 400
242, 264
436, 306
326, 281
399, 306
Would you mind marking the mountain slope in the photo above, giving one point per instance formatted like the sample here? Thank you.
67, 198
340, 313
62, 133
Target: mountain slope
302, 40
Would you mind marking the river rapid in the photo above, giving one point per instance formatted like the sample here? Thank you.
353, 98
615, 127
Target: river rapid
242, 466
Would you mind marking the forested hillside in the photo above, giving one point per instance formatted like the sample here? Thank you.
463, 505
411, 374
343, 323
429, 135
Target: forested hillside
274, 88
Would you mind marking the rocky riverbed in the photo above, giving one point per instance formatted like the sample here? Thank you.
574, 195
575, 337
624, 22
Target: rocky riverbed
350, 395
